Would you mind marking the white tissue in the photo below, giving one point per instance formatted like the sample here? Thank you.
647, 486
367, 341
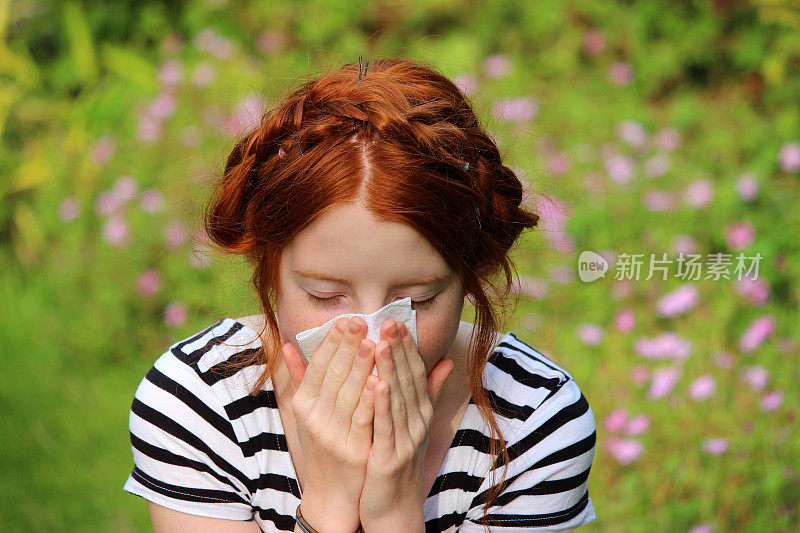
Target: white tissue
401, 310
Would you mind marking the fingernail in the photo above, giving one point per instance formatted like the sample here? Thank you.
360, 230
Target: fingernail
363, 351
341, 324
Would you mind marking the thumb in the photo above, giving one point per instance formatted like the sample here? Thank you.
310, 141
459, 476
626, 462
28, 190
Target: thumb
295, 364
441, 371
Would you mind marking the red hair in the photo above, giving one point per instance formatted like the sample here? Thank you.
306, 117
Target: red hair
398, 141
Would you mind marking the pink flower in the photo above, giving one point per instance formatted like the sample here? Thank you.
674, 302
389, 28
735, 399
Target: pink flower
715, 446
699, 193
532, 287
558, 164
593, 42
215, 44
724, 360
665, 346
270, 42
115, 231
162, 106
621, 288
247, 116
632, 132
625, 320
637, 425
684, 244
149, 130
203, 74
149, 282
590, 334
756, 376
680, 301
553, 220
619, 168
172, 44
625, 451
758, 331
702, 388
640, 374
616, 420
125, 188
756, 290
789, 157
740, 235
107, 203
664, 380
466, 83
702, 528
151, 201
562, 274
175, 314
658, 165
496, 66
175, 235
518, 109
771, 401
200, 256
103, 150
659, 201
68, 209
667, 139
620, 73
747, 187
170, 73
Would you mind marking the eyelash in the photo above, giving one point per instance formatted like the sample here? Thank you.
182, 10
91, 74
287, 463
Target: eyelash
329, 302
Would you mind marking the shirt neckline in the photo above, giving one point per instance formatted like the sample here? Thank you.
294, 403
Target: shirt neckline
453, 444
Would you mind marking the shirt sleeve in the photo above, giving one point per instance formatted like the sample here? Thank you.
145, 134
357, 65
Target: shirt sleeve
186, 456
545, 487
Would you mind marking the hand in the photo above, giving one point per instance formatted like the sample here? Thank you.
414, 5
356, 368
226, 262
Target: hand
404, 401
333, 413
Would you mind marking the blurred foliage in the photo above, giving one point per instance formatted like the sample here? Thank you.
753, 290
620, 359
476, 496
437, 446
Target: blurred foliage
98, 95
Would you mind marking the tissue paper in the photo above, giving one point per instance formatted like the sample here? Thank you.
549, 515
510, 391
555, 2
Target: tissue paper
401, 310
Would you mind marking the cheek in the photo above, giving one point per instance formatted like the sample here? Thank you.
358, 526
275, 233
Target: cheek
296, 315
435, 336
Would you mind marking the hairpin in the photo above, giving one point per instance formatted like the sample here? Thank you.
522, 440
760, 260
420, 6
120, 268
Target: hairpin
359, 68
425, 102
298, 145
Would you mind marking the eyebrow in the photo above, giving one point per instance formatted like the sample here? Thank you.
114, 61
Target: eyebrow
429, 280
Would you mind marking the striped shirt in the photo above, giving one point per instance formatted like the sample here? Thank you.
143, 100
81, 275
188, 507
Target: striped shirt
202, 445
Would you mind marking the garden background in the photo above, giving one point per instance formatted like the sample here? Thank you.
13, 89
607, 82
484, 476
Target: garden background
654, 127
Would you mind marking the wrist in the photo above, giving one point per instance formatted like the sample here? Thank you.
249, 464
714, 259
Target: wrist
328, 518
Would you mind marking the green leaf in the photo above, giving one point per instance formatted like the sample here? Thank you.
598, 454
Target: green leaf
129, 66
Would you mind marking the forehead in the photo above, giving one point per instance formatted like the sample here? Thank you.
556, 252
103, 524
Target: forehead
348, 241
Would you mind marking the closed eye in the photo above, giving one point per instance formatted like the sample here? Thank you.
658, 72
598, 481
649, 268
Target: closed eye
332, 301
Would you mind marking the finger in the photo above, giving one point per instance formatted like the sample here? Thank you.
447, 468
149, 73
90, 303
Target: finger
383, 431
386, 371
364, 415
319, 361
441, 371
405, 379
341, 363
350, 393
416, 364
295, 364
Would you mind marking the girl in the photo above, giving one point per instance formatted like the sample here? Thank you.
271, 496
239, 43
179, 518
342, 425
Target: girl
356, 191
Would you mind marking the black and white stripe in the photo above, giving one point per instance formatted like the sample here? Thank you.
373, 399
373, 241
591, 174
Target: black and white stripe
202, 445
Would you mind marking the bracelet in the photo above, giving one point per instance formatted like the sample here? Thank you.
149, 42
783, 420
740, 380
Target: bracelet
302, 524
